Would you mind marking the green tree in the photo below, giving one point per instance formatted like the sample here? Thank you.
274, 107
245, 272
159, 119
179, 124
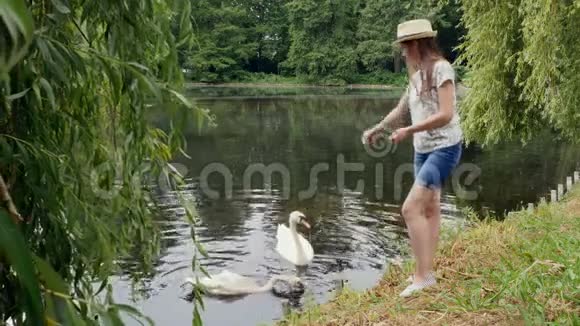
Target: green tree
376, 33
77, 153
269, 31
224, 43
323, 39
340, 39
524, 63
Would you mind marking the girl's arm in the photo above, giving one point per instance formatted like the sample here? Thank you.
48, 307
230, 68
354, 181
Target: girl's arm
391, 121
397, 115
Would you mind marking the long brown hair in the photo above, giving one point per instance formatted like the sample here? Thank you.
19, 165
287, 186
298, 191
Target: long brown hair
429, 53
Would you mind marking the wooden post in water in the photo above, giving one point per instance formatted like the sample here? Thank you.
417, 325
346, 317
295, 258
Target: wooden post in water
553, 196
542, 200
286, 310
576, 176
560, 191
568, 184
338, 286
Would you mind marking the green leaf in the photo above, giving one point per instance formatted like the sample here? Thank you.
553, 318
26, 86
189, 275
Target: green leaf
51, 311
61, 7
57, 62
52, 280
185, 29
14, 248
63, 309
38, 95
147, 82
110, 315
17, 95
60, 310
201, 249
196, 318
138, 66
200, 118
49, 92
41, 44
20, 15
114, 76
104, 283
114, 317
182, 152
18, 21
134, 312
199, 296
181, 98
105, 318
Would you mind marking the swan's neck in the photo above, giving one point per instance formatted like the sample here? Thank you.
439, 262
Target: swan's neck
297, 245
294, 231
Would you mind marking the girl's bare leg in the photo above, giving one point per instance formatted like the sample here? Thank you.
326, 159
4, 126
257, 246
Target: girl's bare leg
433, 214
420, 229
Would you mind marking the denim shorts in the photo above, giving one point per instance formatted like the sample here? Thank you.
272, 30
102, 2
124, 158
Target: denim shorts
433, 168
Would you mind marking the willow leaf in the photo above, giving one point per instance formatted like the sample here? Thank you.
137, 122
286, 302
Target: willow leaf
19, 14
60, 6
181, 98
151, 85
17, 19
14, 248
17, 95
196, 318
134, 312
49, 92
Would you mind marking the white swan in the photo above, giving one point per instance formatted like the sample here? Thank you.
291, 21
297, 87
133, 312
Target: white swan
291, 245
227, 283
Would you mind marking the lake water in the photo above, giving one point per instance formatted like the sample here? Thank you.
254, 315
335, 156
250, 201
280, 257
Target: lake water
356, 229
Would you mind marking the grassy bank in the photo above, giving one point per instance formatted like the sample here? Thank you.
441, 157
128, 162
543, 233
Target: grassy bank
524, 270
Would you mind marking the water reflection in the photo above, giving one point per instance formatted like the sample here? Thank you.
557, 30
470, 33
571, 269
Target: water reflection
354, 233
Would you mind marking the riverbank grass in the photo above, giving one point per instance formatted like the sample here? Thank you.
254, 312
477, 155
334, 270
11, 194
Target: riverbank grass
524, 270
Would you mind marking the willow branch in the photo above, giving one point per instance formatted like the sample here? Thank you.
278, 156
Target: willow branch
7, 200
82, 33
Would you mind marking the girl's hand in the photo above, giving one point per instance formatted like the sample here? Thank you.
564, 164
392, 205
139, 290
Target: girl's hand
369, 135
400, 134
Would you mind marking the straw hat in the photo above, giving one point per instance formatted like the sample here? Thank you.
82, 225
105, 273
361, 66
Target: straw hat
414, 29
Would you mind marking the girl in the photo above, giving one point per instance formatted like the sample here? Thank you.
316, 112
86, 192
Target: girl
437, 140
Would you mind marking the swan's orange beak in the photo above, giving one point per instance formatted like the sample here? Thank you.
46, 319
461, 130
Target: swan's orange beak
305, 224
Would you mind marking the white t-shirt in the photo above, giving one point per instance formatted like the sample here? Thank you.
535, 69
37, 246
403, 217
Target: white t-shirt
422, 107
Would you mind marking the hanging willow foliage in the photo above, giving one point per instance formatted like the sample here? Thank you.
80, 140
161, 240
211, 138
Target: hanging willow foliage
77, 153
524, 62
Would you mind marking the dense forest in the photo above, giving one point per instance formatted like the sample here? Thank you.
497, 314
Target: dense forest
327, 42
